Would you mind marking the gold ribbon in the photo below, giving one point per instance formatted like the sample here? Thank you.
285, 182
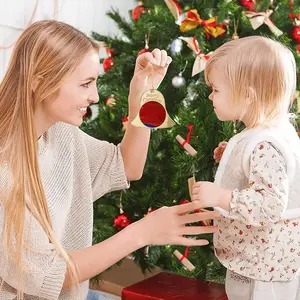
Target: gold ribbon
193, 21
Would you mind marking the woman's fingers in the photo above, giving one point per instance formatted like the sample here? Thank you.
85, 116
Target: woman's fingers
190, 242
164, 58
187, 208
157, 54
196, 230
198, 217
147, 57
169, 60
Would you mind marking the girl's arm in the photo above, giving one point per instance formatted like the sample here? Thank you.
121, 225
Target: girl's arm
265, 200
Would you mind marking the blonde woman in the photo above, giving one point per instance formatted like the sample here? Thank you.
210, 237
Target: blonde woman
256, 187
51, 172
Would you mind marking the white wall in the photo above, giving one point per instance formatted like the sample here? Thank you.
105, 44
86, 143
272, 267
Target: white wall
86, 15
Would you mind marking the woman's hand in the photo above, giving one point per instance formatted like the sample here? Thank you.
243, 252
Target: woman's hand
150, 70
167, 225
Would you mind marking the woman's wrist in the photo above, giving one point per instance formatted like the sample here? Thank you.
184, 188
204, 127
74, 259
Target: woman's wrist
137, 234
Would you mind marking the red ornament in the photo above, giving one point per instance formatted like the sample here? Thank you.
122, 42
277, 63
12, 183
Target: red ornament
121, 221
136, 13
144, 51
150, 210
296, 34
184, 202
248, 4
152, 114
110, 52
108, 63
125, 123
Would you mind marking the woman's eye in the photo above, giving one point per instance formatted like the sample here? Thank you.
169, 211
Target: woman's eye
86, 85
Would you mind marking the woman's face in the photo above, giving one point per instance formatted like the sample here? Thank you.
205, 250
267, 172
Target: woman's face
77, 92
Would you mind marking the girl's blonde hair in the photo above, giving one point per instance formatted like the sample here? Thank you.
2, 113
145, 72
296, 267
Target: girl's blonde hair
44, 55
261, 74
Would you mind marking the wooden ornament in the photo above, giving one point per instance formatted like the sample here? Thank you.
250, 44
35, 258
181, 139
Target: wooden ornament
153, 113
187, 147
184, 260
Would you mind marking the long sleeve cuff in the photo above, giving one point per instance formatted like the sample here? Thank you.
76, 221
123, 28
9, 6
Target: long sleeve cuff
53, 282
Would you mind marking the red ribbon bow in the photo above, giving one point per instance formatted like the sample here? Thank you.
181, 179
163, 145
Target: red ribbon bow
188, 137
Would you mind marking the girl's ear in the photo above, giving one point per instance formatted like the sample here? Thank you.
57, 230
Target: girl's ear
250, 95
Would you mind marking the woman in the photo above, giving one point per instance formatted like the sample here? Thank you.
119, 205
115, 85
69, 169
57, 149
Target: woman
51, 172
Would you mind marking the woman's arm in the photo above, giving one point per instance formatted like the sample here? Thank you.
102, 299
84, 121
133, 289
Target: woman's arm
163, 226
150, 70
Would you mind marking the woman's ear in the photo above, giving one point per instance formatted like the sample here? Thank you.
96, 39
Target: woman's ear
35, 83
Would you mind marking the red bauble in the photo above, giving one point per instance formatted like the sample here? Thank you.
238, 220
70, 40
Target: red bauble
144, 51
125, 123
152, 114
110, 52
108, 63
121, 221
296, 34
136, 13
248, 4
184, 202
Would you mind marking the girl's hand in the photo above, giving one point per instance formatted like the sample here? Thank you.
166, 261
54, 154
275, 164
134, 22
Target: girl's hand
167, 225
150, 70
218, 152
209, 194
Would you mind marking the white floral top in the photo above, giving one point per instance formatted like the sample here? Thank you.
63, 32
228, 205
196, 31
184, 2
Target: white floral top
266, 197
254, 241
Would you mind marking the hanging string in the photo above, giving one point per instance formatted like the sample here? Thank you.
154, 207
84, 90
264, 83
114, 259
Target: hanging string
235, 25
121, 204
147, 40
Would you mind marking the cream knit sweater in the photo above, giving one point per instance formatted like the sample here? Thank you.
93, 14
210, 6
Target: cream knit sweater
76, 170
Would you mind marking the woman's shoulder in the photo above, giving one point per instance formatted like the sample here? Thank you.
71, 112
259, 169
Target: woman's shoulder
64, 132
59, 136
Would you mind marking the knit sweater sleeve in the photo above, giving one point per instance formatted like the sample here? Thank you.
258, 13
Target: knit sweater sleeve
106, 166
265, 200
44, 269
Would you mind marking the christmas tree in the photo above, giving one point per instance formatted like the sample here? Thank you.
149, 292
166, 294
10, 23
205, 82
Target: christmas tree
189, 30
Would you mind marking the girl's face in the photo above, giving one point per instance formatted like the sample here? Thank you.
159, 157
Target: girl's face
77, 92
221, 96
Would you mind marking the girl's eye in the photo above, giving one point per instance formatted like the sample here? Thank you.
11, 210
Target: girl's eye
86, 85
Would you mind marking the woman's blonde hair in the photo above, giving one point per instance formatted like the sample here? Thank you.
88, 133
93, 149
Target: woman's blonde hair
44, 55
261, 74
